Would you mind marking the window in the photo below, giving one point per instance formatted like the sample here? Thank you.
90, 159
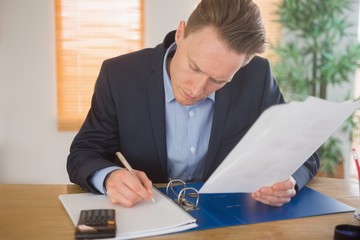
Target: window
87, 32
90, 31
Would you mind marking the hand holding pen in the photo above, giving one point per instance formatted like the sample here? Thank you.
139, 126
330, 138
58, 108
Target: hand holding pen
129, 168
127, 186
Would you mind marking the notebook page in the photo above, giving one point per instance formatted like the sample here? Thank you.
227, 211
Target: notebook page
144, 219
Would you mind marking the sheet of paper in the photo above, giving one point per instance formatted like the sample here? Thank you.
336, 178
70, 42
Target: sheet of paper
278, 143
143, 220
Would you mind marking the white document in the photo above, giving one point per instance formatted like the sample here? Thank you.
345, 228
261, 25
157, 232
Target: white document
278, 143
143, 220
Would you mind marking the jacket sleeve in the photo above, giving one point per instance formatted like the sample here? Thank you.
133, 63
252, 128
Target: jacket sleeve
94, 146
307, 171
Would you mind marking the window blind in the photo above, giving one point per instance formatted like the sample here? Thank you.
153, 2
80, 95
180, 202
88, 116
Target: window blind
87, 33
90, 31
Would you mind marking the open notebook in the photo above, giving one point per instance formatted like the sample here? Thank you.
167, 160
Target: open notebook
143, 220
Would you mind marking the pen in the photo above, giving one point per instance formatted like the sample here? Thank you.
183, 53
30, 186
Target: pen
356, 159
129, 168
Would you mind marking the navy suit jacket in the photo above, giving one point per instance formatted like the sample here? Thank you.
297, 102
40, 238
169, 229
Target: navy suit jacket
127, 114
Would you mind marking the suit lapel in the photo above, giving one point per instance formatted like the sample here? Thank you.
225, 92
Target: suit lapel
156, 100
222, 103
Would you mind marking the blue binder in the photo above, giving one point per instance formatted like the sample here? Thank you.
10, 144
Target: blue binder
222, 210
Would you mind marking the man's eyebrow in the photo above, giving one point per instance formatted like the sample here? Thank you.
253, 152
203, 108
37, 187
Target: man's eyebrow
194, 64
198, 69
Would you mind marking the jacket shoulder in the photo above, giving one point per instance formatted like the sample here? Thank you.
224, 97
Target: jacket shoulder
138, 58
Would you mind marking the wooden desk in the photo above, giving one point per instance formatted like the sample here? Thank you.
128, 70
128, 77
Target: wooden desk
35, 212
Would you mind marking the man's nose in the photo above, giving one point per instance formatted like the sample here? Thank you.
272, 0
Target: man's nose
198, 86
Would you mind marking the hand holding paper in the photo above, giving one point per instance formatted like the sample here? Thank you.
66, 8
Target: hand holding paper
277, 194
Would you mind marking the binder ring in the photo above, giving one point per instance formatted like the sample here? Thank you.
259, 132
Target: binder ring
182, 195
188, 206
171, 184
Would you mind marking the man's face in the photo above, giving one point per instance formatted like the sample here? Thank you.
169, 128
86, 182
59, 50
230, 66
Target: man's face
201, 65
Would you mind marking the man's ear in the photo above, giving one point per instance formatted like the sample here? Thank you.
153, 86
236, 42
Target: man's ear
180, 32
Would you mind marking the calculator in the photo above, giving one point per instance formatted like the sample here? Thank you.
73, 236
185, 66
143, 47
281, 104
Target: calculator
96, 223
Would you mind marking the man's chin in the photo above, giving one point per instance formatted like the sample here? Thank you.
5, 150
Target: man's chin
186, 102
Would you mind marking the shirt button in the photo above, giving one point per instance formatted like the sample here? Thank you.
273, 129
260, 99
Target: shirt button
191, 113
192, 149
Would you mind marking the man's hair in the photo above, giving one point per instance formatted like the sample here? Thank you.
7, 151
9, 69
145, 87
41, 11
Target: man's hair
237, 22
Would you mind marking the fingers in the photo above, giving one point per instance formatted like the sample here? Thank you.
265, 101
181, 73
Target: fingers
276, 195
287, 184
269, 197
125, 189
145, 181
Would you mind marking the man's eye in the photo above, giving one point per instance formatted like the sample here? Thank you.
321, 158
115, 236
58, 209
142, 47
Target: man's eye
194, 68
219, 82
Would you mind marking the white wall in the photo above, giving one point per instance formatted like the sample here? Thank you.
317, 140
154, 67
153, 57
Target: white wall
31, 148
163, 16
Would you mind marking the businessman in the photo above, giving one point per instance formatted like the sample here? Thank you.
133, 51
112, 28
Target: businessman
177, 110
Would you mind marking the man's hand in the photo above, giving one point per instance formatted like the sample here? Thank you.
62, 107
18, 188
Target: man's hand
277, 194
124, 189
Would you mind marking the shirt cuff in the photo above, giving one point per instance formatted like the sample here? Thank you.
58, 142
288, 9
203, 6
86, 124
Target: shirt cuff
97, 180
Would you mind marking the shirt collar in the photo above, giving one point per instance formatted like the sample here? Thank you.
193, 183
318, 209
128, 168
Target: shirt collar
169, 94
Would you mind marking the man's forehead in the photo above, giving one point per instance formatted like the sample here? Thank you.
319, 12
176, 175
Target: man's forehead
211, 54
217, 70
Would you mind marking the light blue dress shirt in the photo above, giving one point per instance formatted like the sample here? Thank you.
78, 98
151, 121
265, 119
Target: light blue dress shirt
187, 135
187, 132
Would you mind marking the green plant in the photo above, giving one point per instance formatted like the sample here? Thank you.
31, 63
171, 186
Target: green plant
315, 54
